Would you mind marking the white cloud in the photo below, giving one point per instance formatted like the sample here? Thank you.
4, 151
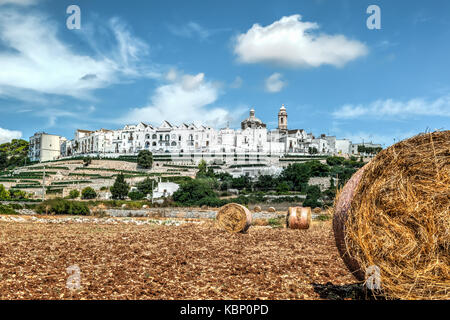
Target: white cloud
274, 83
186, 98
292, 42
391, 108
36, 60
18, 2
190, 30
7, 135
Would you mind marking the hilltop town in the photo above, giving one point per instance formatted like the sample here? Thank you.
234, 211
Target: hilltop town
188, 141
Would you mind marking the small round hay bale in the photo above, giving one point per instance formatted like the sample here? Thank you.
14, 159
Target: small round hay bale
257, 209
145, 206
298, 218
317, 210
393, 216
204, 207
272, 209
124, 206
234, 217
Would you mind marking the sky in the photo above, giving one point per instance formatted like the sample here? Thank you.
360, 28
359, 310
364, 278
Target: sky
210, 62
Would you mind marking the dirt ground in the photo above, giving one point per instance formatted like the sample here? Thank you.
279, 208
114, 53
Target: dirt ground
190, 261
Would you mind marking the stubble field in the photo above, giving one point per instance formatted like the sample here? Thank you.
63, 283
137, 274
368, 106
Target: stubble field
190, 261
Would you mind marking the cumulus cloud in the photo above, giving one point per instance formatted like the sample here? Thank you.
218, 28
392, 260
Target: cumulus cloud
7, 135
185, 98
392, 108
292, 42
274, 83
35, 59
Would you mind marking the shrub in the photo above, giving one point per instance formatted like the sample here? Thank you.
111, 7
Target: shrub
73, 194
88, 193
4, 209
4, 194
18, 194
87, 161
61, 206
136, 195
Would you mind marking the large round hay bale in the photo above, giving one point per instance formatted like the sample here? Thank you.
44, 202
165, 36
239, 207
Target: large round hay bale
234, 217
298, 218
393, 216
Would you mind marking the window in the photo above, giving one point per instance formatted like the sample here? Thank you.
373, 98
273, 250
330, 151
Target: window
154, 136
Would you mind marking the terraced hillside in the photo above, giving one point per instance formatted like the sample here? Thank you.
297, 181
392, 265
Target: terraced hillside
63, 176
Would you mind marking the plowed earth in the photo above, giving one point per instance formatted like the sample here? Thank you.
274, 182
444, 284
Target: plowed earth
191, 261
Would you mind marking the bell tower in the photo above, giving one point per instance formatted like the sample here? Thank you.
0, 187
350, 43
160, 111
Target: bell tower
282, 119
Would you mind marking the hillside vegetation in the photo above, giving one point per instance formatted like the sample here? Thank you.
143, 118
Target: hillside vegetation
13, 154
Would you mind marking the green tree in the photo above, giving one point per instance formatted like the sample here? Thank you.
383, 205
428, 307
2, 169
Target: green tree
145, 186
4, 194
18, 194
283, 187
265, 182
334, 161
120, 188
88, 193
145, 159
3, 160
192, 192
204, 171
297, 174
73, 194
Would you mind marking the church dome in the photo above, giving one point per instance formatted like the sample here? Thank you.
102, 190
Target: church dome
252, 121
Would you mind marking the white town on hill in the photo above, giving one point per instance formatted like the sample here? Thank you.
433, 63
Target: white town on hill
253, 142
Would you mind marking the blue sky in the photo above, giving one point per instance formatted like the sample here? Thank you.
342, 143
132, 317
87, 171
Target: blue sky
211, 61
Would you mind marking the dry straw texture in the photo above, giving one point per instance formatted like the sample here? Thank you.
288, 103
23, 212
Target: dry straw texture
394, 214
234, 217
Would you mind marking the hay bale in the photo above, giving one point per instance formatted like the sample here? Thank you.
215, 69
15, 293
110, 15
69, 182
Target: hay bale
317, 210
145, 206
394, 214
124, 206
257, 209
298, 218
272, 209
234, 217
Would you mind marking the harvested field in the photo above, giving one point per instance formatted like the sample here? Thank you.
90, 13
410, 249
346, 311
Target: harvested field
190, 261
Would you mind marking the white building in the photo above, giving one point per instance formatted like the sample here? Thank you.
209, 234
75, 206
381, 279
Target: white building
202, 141
45, 147
165, 189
